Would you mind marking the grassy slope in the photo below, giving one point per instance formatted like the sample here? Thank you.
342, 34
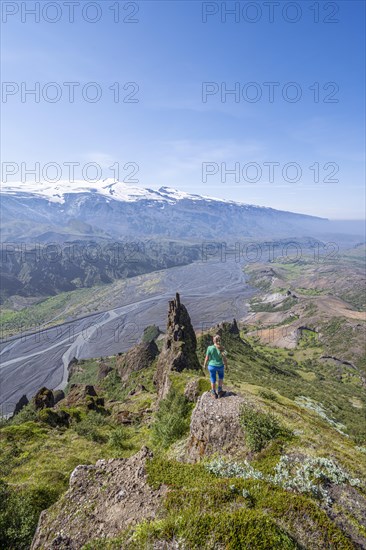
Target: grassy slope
34, 455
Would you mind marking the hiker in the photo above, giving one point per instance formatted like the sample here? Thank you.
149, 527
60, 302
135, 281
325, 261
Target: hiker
216, 359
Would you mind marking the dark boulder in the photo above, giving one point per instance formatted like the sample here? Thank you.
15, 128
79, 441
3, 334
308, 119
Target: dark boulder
23, 401
54, 418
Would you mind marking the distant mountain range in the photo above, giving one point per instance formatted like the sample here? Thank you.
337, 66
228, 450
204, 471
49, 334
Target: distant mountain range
113, 210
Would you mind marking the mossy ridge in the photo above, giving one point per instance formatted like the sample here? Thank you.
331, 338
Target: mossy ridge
196, 496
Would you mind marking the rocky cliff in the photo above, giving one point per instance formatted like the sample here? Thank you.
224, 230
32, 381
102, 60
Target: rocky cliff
102, 500
137, 358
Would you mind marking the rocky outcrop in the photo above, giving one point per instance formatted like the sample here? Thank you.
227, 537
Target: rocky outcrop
194, 388
55, 418
103, 371
58, 395
43, 399
137, 358
192, 391
215, 427
84, 396
127, 417
179, 347
102, 501
229, 332
23, 401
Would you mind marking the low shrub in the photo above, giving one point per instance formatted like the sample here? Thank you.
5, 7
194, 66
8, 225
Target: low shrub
309, 475
90, 427
118, 438
19, 512
27, 414
267, 394
172, 419
260, 427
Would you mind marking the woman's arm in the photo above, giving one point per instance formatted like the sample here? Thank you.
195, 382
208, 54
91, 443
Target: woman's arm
206, 361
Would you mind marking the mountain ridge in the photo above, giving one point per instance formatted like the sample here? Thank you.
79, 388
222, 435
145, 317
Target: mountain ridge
116, 190
55, 213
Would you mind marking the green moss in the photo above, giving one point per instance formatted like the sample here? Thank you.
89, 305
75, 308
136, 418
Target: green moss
22, 433
86, 373
360, 529
308, 339
266, 460
240, 529
256, 305
311, 291
160, 470
203, 385
267, 394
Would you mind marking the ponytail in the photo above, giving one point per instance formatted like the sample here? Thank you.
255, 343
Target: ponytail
216, 340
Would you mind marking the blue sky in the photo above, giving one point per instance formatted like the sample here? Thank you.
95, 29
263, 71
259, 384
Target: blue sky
170, 133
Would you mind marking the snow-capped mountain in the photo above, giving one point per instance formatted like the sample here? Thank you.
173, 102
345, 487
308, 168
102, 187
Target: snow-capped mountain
113, 210
56, 192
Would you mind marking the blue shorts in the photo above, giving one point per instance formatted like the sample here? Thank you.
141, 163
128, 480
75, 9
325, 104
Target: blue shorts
213, 370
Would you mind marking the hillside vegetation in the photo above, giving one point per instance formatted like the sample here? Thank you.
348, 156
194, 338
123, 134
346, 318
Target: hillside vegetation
294, 483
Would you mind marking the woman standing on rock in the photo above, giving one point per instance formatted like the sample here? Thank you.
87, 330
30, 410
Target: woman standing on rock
216, 359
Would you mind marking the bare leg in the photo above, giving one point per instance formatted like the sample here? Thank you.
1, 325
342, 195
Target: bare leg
213, 385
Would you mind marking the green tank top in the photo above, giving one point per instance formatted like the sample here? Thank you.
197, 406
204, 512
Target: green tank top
215, 357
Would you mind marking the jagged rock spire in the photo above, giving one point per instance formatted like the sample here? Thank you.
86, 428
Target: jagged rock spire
179, 348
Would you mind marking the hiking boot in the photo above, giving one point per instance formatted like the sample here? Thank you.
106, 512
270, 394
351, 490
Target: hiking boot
214, 394
221, 393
